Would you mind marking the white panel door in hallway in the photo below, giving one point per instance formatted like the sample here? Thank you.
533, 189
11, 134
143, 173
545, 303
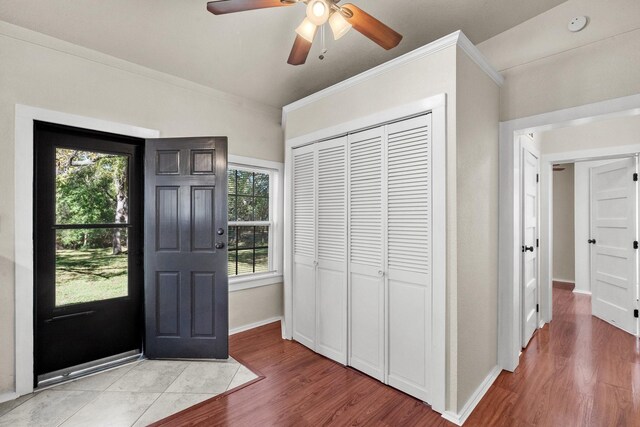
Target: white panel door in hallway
614, 259
529, 246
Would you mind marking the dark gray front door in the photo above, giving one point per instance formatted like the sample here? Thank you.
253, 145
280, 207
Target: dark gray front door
186, 283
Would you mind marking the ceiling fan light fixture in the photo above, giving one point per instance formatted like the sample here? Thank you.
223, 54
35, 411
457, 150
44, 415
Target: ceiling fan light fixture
318, 12
307, 30
339, 25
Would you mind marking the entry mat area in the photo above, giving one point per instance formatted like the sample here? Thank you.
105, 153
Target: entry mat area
136, 394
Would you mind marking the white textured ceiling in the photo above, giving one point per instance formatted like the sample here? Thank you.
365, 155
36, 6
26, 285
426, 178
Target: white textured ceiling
246, 53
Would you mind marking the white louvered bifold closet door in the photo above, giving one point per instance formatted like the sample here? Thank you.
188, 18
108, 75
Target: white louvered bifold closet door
366, 252
304, 245
409, 255
331, 274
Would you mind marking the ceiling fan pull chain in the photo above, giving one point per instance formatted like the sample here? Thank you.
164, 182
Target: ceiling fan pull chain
324, 46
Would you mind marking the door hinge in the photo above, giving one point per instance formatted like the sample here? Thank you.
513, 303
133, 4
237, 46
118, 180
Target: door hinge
635, 176
635, 313
538, 177
537, 308
537, 243
635, 245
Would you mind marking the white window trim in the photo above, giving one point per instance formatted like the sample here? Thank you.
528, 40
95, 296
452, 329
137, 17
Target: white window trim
276, 236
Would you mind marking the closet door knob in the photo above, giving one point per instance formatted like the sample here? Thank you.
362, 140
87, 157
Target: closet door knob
528, 248
592, 241
380, 273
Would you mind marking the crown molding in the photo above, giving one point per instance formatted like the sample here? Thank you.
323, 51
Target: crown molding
476, 56
456, 38
35, 38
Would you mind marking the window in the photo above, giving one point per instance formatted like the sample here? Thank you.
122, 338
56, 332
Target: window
253, 222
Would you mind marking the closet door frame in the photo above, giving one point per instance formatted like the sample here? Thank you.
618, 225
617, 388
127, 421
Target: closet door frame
436, 105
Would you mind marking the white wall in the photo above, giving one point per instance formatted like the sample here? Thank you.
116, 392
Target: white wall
548, 68
563, 224
477, 204
43, 72
600, 134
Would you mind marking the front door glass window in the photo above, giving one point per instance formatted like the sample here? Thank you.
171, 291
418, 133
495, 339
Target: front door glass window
92, 222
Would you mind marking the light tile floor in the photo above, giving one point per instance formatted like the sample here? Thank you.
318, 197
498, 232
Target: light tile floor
133, 395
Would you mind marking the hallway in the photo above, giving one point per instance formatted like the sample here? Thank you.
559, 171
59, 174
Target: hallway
576, 371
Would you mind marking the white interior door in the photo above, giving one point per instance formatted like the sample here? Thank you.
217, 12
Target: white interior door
614, 261
366, 253
331, 274
304, 245
530, 168
409, 255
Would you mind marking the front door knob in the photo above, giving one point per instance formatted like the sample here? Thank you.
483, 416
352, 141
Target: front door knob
219, 245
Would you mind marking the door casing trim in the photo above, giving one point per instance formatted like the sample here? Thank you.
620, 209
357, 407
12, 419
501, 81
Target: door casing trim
23, 222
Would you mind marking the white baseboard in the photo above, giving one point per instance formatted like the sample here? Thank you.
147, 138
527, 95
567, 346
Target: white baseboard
467, 409
5, 397
254, 325
580, 291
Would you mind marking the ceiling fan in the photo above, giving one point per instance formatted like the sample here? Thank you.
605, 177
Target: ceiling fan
319, 12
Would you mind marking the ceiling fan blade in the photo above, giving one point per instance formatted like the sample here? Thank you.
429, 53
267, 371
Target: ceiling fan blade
300, 51
220, 7
372, 28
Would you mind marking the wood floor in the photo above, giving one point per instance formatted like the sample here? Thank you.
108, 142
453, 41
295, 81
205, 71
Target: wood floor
578, 371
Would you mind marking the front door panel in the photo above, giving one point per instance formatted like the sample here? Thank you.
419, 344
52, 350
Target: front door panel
88, 248
186, 282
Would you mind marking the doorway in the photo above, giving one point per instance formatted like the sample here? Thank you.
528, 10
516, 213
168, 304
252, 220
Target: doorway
595, 218
591, 144
592, 217
88, 215
96, 295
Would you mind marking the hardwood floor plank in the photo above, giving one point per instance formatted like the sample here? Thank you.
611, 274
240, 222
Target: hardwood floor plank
576, 371
495, 409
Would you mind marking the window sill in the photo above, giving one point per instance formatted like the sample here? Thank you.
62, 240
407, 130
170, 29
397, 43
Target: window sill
239, 283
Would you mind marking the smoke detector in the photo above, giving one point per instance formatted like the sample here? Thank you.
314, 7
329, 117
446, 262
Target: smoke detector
577, 23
